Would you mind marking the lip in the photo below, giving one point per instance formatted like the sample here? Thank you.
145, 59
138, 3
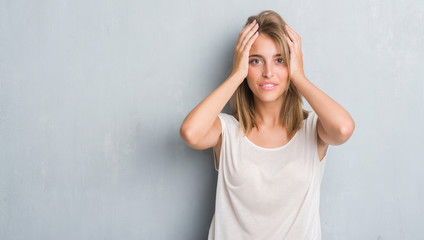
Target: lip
267, 83
267, 87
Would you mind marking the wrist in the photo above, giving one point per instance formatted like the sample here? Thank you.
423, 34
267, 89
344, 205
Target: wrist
298, 77
237, 76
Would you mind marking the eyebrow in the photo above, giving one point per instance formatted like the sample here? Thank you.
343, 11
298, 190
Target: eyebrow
260, 56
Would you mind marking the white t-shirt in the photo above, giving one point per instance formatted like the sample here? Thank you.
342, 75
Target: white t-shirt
267, 193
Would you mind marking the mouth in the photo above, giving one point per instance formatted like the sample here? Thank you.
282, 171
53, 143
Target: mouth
268, 86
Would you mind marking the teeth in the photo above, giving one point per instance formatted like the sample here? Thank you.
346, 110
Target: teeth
268, 85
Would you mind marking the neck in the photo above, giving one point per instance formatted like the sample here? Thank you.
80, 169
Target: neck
268, 113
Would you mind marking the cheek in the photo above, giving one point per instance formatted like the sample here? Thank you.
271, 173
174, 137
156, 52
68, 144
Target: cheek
284, 71
282, 74
251, 80
252, 72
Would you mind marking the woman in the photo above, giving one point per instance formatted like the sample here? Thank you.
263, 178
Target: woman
270, 153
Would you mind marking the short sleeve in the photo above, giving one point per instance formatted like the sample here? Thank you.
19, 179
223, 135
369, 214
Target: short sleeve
312, 123
222, 117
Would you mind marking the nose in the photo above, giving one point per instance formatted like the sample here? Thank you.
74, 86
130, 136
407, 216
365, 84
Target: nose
267, 71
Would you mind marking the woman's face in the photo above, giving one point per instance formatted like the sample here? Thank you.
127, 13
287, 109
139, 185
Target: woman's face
266, 65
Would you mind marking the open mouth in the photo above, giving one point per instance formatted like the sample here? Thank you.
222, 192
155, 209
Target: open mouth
268, 86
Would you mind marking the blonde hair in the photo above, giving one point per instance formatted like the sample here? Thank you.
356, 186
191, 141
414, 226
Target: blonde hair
241, 102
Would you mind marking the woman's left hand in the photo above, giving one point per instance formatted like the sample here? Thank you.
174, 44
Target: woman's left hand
296, 56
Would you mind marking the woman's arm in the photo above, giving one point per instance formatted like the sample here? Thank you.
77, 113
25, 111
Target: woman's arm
334, 125
200, 120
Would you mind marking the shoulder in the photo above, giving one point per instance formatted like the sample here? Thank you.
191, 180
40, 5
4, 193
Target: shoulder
228, 121
308, 120
311, 118
224, 116
228, 117
309, 125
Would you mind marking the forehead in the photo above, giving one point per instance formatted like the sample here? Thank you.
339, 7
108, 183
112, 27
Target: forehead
264, 45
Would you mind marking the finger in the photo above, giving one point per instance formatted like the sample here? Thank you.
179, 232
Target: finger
290, 34
294, 42
289, 29
249, 35
297, 41
243, 33
296, 37
250, 42
246, 31
290, 43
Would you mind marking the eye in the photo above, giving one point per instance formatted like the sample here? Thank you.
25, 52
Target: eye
253, 61
282, 60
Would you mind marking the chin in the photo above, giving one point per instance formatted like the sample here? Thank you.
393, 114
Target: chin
270, 97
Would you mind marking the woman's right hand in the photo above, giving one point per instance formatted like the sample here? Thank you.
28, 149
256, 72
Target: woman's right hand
241, 53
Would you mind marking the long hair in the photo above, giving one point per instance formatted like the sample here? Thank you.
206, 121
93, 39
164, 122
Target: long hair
242, 101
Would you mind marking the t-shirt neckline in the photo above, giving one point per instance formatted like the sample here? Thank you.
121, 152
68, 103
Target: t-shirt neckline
268, 149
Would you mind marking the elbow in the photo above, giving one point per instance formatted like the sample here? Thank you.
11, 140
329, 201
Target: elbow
346, 131
186, 135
